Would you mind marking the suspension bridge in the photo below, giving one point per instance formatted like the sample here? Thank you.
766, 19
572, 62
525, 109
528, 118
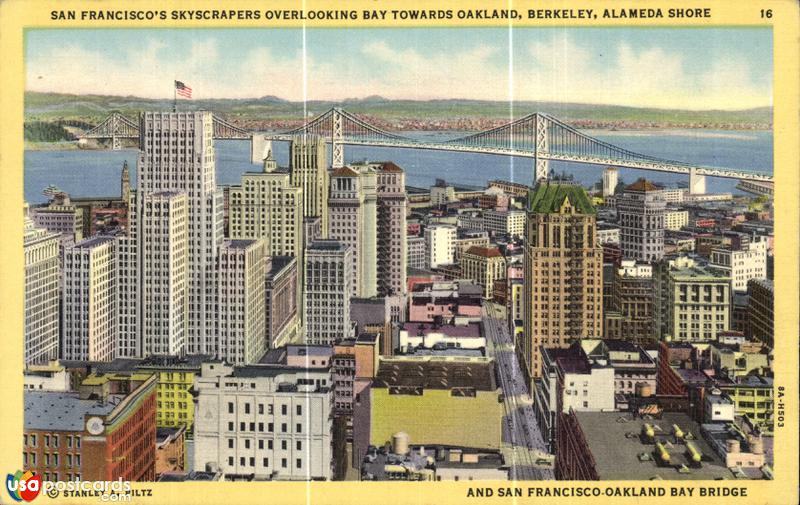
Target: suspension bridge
117, 127
538, 136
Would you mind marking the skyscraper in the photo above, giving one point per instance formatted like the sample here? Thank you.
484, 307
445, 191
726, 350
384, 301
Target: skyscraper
242, 270
41, 293
640, 210
352, 220
392, 230
329, 282
163, 285
563, 290
90, 303
308, 163
267, 206
177, 155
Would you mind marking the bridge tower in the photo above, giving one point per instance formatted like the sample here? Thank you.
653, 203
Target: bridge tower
116, 142
697, 183
540, 163
337, 139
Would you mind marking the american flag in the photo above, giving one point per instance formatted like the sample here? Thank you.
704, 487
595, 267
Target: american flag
183, 90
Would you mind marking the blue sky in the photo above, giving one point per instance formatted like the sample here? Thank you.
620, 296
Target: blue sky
726, 68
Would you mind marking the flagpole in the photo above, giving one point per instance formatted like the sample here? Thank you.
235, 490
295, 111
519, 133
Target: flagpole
174, 97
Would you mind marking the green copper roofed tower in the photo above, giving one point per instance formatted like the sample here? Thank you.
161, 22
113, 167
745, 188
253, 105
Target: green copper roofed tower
563, 287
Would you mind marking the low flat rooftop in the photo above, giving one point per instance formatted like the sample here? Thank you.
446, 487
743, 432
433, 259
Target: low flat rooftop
437, 373
470, 330
60, 411
617, 455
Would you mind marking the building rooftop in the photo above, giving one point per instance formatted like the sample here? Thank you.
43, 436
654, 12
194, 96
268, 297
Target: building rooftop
642, 185
344, 172
93, 242
389, 166
547, 198
486, 252
437, 373
63, 411
616, 445
238, 243
189, 476
327, 245
279, 263
470, 330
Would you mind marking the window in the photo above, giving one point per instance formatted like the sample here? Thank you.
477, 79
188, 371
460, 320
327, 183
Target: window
252, 461
78, 460
33, 440
230, 426
266, 462
299, 463
284, 410
69, 441
246, 408
55, 440
283, 428
47, 440
269, 444
242, 426
260, 408
283, 445
230, 443
246, 444
299, 428
299, 445
230, 407
270, 427
270, 409
283, 462
260, 444
299, 410
241, 461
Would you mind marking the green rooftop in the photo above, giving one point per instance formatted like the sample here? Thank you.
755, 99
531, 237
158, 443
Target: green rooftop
547, 198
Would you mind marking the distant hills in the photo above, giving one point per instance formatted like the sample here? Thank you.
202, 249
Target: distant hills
270, 112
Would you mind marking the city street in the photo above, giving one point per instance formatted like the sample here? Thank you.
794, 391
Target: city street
520, 427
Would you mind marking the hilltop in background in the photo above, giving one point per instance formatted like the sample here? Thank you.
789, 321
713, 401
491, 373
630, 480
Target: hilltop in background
46, 112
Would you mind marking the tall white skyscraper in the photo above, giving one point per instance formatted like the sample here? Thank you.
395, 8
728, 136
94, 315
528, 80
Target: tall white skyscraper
90, 300
41, 293
177, 156
353, 221
164, 282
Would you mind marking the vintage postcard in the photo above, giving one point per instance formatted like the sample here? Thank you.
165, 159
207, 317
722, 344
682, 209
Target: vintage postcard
305, 252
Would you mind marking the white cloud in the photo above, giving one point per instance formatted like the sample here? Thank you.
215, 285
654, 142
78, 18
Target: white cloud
558, 70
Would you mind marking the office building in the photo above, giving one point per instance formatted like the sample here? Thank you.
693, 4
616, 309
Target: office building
692, 301
104, 432
89, 300
392, 229
164, 292
176, 164
41, 302
749, 261
242, 269
563, 290
267, 206
308, 171
629, 315
416, 252
640, 210
264, 422
329, 278
352, 220
484, 266
440, 244
283, 310
761, 310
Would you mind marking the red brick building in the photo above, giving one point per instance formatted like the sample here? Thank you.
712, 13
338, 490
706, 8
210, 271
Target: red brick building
105, 431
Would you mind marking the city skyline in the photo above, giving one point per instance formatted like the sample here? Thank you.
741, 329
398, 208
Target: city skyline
731, 69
